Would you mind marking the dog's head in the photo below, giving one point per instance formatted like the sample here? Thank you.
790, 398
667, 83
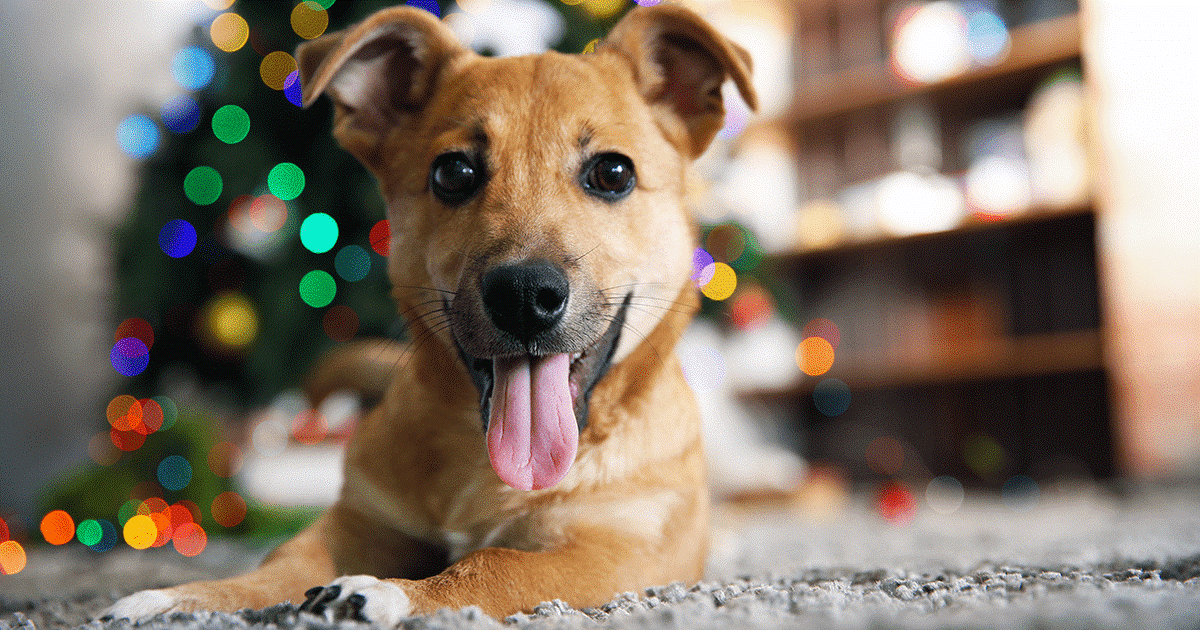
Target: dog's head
536, 203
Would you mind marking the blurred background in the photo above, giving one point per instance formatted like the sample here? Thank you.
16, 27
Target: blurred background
957, 250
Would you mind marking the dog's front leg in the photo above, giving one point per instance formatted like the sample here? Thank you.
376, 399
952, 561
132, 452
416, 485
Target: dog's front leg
586, 571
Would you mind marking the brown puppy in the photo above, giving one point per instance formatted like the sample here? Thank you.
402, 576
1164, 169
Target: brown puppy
540, 441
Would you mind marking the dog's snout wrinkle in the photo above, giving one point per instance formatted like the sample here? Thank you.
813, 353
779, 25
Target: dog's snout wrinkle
526, 299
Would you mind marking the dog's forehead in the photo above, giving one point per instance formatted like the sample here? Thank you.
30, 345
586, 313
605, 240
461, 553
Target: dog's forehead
577, 95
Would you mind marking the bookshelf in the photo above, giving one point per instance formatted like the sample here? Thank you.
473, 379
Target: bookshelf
991, 326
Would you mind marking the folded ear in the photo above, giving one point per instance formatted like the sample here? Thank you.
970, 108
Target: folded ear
376, 73
680, 61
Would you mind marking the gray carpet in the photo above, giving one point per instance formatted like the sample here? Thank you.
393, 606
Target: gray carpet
1077, 560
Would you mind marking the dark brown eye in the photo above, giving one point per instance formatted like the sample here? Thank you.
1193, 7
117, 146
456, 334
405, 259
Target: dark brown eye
454, 178
609, 176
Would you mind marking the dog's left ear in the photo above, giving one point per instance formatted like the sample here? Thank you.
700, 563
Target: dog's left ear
680, 61
376, 73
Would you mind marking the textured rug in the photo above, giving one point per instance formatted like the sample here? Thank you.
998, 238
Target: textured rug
1076, 560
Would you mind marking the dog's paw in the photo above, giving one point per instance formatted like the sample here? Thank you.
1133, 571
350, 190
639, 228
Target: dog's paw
141, 606
361, 598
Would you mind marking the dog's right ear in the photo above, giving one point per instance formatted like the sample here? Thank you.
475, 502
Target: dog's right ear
376, 73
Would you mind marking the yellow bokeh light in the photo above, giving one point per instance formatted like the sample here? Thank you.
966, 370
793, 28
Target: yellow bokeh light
229, 32
309, 20
275, 68
219, 5
723, 282
12, 557
604, 9
231, 321
140, 531
814, 356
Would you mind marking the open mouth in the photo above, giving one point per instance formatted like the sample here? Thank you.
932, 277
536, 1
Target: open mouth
533, 407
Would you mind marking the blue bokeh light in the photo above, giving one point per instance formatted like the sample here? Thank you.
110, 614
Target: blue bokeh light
138, 136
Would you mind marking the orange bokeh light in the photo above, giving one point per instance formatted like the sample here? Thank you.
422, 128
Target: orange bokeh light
814, 356
58, 528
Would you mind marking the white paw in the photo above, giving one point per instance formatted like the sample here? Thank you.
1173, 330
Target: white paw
359, 597
141, 606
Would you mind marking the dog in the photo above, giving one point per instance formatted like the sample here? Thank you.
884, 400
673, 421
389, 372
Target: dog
539, 440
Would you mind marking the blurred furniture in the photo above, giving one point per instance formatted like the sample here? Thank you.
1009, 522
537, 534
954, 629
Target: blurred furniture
977, 348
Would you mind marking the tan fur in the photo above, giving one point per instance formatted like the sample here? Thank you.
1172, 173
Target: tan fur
633, 510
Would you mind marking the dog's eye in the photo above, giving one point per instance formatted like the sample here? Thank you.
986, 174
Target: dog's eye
609, 176
454, 178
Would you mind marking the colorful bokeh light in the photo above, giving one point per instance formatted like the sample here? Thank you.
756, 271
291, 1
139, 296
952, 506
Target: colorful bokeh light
318, 232
895, 503
231, 322
138, 328
831, 397
229, 32
268, 213
825, 329
231, 124
140, 531
177, 238
286, 181
127, 440
702, 267
318, 288
202, 185
193, 68
292, 89
138, 136
815, 356
228, 509
89, 532
309, 20
181, 114
340, 323
129, 356
174, 472
721, 284
275, 68
352, 263
381, 237
189, 539
12, 557
751, 307
57, 527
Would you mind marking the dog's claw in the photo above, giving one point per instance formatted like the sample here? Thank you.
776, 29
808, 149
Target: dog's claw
358, 598
319, 597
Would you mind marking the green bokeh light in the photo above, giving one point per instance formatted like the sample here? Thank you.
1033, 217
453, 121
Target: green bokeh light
230, 124
317, 288
319, 232
286, 181
203, 185
89, 532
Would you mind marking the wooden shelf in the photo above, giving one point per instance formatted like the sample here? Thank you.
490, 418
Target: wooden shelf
1029, 355
1034, 46
970, 225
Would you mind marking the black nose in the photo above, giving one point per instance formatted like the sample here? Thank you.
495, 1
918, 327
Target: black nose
525, 299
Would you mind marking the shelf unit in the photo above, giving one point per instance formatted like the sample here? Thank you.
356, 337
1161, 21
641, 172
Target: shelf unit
992, 328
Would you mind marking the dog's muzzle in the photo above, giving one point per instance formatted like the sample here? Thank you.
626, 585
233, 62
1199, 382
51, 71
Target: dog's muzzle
534, 401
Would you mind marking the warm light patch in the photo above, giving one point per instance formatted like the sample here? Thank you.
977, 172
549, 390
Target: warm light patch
58, 528
814, 356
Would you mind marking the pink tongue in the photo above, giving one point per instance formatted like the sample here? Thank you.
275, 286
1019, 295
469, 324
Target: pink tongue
532, 435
